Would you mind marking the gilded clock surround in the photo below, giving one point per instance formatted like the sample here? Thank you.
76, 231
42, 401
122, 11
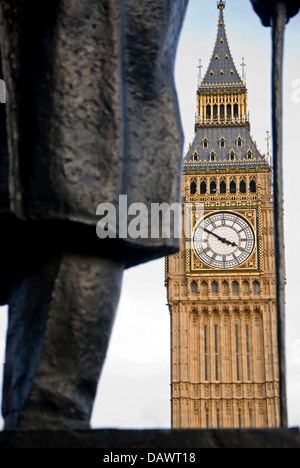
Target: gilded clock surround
224, 357
196, 266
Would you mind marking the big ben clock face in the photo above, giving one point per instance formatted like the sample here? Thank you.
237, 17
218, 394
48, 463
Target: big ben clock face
223, 240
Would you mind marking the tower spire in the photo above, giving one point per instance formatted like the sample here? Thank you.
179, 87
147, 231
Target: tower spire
222, 69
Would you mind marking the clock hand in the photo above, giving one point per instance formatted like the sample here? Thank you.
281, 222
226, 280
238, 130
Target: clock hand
222, 239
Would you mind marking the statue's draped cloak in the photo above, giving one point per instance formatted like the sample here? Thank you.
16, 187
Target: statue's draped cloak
91, 114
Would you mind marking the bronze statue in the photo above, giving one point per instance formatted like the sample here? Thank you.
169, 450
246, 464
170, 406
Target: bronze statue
91, 113
266, 9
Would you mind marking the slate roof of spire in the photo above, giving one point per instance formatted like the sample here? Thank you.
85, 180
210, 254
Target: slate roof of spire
231, 135
222, 69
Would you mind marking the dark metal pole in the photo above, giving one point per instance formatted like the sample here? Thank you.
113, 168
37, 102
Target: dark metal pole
278, 22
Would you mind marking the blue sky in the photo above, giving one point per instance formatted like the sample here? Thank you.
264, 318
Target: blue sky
134, 390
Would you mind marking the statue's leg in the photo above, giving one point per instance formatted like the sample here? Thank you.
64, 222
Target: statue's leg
67, 361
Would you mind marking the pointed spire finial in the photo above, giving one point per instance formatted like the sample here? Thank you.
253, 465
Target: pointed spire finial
221, 4
200, 66
268, 138
243, 65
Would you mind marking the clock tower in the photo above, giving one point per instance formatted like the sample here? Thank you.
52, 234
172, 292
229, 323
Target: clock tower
221, 285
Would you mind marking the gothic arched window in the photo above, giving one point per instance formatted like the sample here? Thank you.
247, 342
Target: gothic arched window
232, 187
225, 287
215, 112
222, 186
222, 107
212, 156
242, 186
229, 112
252, 186
202, 188
205, 143
193, 188
213, 187
208, 112
204, 287
245, 287
222, 142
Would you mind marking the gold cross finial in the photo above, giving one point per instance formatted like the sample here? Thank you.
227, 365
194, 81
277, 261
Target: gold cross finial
221, 5
200, 66
243, 65
268, 138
